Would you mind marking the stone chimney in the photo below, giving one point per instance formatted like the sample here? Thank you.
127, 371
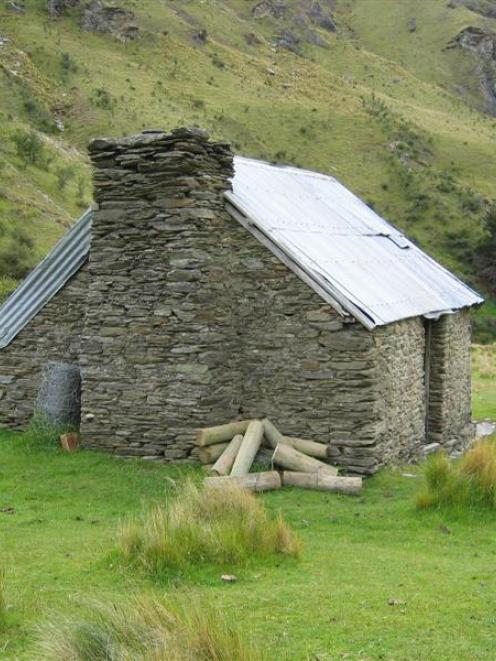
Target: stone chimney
156, 341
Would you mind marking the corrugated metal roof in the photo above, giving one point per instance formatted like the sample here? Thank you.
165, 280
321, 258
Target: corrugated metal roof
51, 274
351, 256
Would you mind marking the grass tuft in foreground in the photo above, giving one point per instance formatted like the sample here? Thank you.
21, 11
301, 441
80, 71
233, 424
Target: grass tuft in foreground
145, 628
201, 525
469, 483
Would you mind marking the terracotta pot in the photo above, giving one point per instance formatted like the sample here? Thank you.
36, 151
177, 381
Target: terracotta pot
70, 442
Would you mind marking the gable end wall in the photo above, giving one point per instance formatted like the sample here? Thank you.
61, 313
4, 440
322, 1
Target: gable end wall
54, 334
192, 322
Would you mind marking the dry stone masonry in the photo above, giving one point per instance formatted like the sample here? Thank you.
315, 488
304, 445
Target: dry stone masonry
53, 335
157, 337
182, 319
450, 382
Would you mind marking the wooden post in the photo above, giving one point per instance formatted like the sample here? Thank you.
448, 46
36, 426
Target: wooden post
321, 482
265, 481
225, 462
249, 448
210, 453
211, 435
272, 434
289, 458
312, 448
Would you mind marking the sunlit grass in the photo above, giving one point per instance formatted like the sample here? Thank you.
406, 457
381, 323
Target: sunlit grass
469, 483
198, 526
148, 629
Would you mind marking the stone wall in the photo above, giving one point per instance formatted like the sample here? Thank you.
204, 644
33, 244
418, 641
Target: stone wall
157, 337
54, 334
401, 361
300, 363
191, 321
450, 383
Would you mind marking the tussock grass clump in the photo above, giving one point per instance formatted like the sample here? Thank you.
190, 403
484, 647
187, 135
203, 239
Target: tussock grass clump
468, 483
201, 525
146, 629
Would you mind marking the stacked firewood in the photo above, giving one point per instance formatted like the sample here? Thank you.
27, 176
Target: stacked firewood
228, 452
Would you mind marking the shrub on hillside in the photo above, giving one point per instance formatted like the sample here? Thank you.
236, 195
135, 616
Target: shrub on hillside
202, 525
485, 252
64, 175
29, 147
16, 252
145, 629
468, 483
7, 286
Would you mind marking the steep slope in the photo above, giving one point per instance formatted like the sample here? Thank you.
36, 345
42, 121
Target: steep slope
366, 91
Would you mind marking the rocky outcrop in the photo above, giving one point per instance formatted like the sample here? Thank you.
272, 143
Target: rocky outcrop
298, 23
320, 14
57, 7
15, 7
486, 8
118, 22
288, 40
269, 8
482, 46
477, 40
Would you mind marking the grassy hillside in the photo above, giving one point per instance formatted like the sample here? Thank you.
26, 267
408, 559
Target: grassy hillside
388, 111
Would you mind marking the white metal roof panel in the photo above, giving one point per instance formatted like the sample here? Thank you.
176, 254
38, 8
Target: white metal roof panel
51, 274
343, 247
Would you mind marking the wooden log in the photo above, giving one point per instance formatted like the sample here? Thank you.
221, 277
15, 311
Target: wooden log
272, 434
311, 448
249, 448
291, 459
210, 453
264, 481
347, 485
225, 462
221, 433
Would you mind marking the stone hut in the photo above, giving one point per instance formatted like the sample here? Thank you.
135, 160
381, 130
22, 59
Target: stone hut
204, 287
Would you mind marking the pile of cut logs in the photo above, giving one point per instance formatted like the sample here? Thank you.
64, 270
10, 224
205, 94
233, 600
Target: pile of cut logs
295, 462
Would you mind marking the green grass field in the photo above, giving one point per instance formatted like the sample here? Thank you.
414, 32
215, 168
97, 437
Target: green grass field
377, 578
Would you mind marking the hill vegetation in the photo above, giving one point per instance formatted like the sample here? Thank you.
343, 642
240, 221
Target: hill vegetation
392, 98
